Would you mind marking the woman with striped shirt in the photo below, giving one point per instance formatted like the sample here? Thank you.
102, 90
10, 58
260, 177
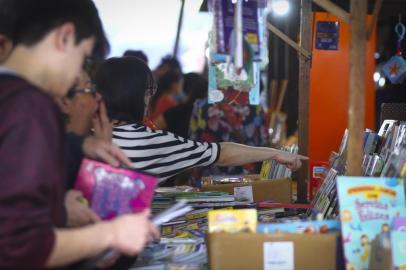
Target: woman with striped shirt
127, 85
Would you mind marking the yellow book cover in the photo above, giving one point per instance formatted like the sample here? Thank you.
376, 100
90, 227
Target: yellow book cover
265, 168
232, 221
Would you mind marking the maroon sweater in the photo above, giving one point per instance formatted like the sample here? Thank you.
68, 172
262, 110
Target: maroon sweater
31, 174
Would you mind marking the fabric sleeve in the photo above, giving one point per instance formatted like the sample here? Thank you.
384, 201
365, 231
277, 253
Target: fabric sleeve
164, 154
73, 157
30, 181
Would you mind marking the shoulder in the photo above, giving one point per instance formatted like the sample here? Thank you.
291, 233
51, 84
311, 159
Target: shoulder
20, 98
167, 100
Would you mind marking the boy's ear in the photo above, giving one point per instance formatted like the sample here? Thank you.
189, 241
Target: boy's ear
65, 36
6, 46
64, 104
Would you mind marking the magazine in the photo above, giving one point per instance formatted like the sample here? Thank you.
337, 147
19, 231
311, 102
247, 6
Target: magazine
114, 191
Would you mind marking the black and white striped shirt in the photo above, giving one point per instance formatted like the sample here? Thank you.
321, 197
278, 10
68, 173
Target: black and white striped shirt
162, 153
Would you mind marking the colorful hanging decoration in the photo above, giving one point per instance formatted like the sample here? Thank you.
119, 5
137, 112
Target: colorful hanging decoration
395, 68
236, 51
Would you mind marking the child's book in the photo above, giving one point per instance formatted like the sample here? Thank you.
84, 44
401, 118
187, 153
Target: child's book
367, 207
398, 246
232, 221
114, 191
312, 227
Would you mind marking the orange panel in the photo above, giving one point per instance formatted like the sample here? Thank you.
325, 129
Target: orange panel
329, 92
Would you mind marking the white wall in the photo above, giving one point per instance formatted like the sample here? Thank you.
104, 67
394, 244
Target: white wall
150, 25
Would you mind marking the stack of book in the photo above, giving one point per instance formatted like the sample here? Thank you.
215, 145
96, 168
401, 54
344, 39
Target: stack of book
273, 170
173, 254
385, 156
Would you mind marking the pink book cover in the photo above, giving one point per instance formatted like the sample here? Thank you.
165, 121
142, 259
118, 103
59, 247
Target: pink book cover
114, 191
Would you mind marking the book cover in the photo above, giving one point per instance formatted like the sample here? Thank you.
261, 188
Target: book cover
313, 227
224, 17
232, 221
114, 191
367, 207
399, 224
398, 246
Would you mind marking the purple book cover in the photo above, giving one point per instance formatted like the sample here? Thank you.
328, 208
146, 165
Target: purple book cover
224, 22
399, 224
114, 191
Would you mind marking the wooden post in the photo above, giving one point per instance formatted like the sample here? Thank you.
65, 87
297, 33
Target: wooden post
334, 9
179, 29
304, 96
356, 109
374, 19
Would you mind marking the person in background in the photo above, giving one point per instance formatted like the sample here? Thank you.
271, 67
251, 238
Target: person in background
51, 41
177, 119
169, 87
167, 64
245, 124
126, 85
137, 53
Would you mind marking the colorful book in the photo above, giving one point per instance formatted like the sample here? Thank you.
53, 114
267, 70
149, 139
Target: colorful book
313, 227
224, 19
367, 207
114, 191
232, 221
398, 246
399, 224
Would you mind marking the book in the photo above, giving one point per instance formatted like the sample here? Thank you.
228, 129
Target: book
224, 21
367, 207
114, 191
399, 224
398, 247
314, 227
232, 221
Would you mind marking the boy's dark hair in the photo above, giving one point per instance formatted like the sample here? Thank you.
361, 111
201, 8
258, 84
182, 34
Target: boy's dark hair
164, 84
8, 17
137, 53
123, 82
37, 18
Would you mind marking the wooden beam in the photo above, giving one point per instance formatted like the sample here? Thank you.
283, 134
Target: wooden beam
288, 40
374, 19
334, 9
179, 29
304, 97
356, 109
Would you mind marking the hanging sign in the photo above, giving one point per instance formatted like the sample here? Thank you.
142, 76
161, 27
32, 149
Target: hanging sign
327, 35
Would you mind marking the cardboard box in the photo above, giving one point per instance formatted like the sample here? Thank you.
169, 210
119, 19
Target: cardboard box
245, 251
276, 190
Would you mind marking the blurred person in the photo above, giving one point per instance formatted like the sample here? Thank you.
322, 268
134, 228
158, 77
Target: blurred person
127, 84
51, 41
177, 119
169, 88
244, 124
137, 53
167, 64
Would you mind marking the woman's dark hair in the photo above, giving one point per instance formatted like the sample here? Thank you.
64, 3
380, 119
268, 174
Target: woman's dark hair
37, 18
122, 82
195, 86
137, 53
164, 84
